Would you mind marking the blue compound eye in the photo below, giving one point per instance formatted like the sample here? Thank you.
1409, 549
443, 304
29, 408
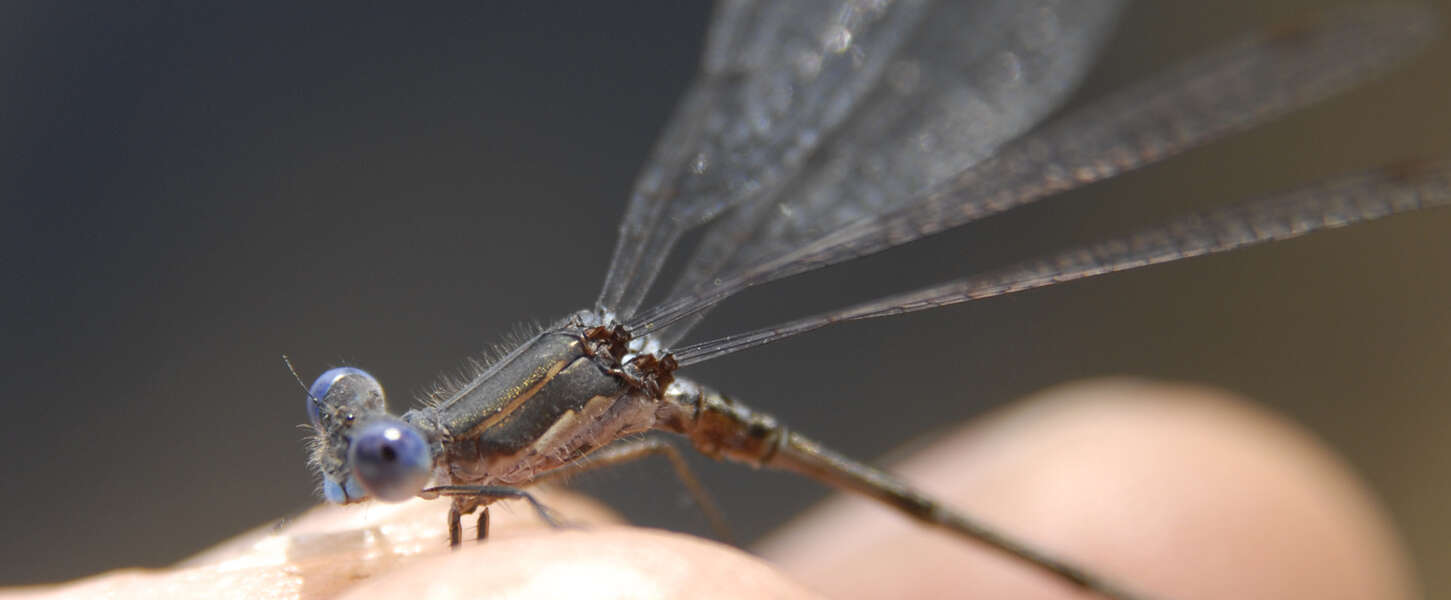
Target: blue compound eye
348, 491
344, 384
390, 459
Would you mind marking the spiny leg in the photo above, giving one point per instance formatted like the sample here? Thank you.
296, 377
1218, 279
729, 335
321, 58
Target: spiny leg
483, 523
455, 529
476, 494
623, 452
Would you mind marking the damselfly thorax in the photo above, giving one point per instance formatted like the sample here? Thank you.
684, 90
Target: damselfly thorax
821, 132
566, 392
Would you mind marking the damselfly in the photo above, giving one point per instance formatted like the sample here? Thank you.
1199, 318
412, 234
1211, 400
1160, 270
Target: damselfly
822, 132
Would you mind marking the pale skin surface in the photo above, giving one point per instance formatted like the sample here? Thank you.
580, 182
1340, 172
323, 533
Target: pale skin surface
1176, 491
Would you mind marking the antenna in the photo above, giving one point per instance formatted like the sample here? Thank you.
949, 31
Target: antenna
288, 362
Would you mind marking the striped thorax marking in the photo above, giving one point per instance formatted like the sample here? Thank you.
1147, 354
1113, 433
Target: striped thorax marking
518, 394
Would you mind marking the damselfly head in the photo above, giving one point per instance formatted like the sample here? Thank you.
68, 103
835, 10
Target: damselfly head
343, 393
360, 450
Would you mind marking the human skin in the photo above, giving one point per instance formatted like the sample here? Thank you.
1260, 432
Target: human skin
1174, 491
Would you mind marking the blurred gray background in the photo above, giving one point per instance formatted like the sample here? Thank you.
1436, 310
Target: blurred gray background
193, 191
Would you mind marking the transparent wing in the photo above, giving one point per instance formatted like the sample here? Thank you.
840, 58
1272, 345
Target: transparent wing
947, 100
1242, 84
1334, 203
779, 78
774, 76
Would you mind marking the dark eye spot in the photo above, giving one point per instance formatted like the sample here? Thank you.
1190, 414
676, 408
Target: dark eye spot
390, 458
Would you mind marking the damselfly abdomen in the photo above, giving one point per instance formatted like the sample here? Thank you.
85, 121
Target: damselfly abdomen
820, 133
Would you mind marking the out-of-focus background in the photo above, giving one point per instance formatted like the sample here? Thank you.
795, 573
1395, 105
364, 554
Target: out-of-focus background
192, 191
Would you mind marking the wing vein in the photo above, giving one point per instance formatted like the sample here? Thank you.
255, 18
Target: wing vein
1228, 90
1331, 204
